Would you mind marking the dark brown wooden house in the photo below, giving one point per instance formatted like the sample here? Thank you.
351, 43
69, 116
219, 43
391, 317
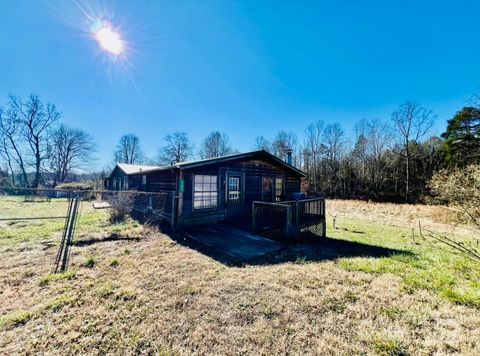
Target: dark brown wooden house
217, 189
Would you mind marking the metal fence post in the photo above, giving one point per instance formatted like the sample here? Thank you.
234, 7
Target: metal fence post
324, 218
254, 218
288, 226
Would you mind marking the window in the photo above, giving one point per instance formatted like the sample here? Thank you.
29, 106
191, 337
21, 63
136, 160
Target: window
278, 189
125, 182
267, 188
144, 179
205, 193
233, 188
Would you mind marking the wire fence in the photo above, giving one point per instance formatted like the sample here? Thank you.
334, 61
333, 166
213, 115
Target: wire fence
33, 216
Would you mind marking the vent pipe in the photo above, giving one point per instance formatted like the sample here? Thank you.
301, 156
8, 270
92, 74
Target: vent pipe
289, 156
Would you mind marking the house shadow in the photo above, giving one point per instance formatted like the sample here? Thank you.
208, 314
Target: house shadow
322, 249
110, 238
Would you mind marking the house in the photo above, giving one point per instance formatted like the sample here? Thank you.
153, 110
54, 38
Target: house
217, 189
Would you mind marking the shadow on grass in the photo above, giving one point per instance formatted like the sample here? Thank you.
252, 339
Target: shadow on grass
110, 238
322, 249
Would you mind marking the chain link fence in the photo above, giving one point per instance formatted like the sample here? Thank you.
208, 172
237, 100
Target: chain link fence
43, 216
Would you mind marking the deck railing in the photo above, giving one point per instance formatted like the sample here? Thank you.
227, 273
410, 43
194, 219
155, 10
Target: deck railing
290, 218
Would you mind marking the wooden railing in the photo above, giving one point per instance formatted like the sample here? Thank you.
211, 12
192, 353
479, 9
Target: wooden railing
271, 217
290, 218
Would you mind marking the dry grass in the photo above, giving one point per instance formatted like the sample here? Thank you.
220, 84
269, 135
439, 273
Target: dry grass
438, 217
155, 296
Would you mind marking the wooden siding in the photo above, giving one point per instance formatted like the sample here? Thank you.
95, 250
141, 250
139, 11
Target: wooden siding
253, 171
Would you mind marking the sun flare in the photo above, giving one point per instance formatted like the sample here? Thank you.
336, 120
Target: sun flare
109, 40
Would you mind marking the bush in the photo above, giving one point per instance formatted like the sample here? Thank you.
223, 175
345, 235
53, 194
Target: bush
459, 188
121, 204
75, 186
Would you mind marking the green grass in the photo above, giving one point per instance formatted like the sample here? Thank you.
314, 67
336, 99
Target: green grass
23, 234
390, 347
45, 280
14, 319
89, 262
426, 265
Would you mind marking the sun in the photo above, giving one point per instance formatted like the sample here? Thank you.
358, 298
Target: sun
109, 40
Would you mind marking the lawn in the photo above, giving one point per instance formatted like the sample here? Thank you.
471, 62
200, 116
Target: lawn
370, 290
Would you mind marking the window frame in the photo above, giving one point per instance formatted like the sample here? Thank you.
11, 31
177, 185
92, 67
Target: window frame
278, 198
217, 191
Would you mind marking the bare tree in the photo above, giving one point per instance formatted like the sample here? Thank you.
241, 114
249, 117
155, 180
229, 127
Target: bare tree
71, 148
313, 144
261, 143
412, 122
178, 149
284, 141
216, 144
129, 150
37, 121
11, 134
334, 143
5, 150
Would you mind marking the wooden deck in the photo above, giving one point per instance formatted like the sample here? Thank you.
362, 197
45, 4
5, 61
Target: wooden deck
288, 220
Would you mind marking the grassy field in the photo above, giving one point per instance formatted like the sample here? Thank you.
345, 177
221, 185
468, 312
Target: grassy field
368, 290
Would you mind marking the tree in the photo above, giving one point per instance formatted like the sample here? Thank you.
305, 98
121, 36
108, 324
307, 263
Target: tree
284, 141
178, 149
412, 122
261, 143
5, 145
460, 188
334, 142
129, 150
37, 120
70, 149
11, 139
313, 144
216, 144
462, 137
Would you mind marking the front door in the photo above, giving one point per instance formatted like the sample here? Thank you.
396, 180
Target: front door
234, 197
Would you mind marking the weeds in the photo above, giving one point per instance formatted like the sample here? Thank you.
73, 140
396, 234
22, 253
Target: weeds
56, 276
89, 262
114, 262
389, 347
14, 319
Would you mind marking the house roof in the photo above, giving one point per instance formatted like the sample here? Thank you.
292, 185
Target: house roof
250, 154
137, 169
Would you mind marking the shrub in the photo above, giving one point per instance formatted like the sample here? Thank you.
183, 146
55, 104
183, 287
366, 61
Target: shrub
75, 186
121, 204
459, 188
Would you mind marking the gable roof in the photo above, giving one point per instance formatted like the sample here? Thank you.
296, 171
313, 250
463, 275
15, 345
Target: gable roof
236, 156
139, 169
135, 168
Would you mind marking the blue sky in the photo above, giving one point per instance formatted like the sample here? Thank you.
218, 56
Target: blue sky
246, 68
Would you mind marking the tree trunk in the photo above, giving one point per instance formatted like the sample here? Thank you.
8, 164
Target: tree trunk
407, 178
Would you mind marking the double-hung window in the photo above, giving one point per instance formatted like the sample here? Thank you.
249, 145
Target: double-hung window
205, 192
278, 189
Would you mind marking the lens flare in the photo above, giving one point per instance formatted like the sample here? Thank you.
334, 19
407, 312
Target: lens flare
109, 40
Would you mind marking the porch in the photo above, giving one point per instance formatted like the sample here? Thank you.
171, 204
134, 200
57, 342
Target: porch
290, 221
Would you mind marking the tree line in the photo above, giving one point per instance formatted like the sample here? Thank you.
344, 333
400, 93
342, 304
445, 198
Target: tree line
35, 144
389, 159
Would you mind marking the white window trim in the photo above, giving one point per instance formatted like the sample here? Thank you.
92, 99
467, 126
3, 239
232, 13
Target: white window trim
210, 191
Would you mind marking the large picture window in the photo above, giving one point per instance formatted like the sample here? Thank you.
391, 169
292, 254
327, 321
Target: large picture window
205, 192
